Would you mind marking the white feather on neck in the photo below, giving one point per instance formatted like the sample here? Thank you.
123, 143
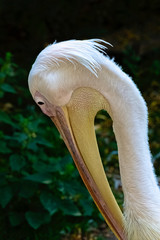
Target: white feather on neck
58, 71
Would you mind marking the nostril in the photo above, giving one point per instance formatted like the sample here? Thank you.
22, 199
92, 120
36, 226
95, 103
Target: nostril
40, 103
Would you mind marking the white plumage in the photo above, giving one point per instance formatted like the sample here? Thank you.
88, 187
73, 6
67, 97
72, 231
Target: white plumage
62, 68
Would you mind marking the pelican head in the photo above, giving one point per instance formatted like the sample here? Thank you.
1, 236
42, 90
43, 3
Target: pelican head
71, 81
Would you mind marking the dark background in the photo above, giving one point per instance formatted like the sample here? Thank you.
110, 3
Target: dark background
28, 26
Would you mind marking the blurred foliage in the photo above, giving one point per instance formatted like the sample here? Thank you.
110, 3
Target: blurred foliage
42, 196
40, 187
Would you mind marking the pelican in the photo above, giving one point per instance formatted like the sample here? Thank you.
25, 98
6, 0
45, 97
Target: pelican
71, 81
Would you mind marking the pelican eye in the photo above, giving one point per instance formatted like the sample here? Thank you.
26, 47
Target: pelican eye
40, 103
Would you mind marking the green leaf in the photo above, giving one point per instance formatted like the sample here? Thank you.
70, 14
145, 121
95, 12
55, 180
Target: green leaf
87, 206
44, 142
5, 195
45, 178
36, 219
8, 57
7, 88
28, 189
2, 75
1, 93
49, 202
3, 179
66, 187
33, 144
4, 117
69, 208
20, 136
42, 167
4, 148
15, 218
156, 67
17, 162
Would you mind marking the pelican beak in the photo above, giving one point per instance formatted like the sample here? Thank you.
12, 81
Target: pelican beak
75, 122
